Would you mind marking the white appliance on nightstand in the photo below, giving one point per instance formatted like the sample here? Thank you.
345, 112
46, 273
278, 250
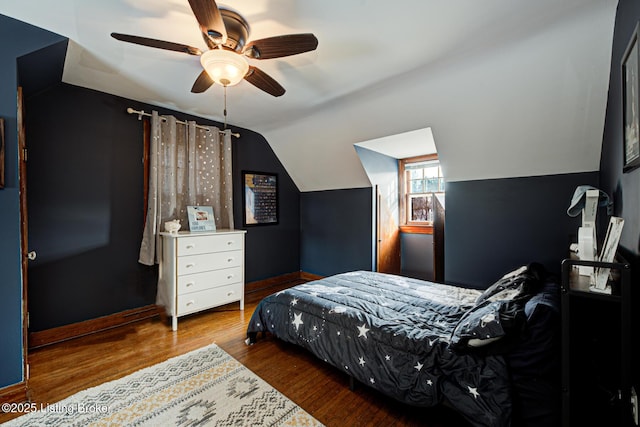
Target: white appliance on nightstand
200, 270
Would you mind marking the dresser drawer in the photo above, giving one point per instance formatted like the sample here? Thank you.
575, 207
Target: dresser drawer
194, 245
209, 279
211, 261
196, 301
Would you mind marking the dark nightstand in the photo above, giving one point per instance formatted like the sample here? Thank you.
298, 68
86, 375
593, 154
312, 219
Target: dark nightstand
596, 346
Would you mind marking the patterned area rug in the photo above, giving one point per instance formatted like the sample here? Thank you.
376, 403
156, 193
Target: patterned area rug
206, 387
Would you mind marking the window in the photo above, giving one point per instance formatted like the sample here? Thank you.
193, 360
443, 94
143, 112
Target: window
420, 178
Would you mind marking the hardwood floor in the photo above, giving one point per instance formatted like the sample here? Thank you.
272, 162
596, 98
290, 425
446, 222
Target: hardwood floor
60, 370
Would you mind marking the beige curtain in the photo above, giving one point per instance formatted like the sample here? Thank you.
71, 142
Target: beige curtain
189, 166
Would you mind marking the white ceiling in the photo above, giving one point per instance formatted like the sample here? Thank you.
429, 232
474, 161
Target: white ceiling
508, 87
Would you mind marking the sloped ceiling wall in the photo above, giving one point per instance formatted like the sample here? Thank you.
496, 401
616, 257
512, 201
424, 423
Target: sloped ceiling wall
509, 88
526, 106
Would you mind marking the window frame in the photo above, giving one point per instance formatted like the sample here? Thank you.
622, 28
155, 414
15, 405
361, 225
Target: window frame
407, 226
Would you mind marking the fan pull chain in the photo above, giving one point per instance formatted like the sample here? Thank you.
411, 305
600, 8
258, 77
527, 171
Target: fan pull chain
225, 107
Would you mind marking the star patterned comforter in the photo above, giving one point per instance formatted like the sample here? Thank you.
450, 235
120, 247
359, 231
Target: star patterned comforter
395, 334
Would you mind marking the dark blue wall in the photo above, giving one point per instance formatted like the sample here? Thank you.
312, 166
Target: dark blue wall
85, 196
271, 250
85, 182
335, 231
496, 225
624, 187
18, 39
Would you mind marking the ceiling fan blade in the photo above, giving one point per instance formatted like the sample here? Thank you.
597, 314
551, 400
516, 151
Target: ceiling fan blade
279, 46
202, 83
209, 42
210, 19
263, 81
159, 44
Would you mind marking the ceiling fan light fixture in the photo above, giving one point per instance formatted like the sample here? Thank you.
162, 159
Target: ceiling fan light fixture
224, 67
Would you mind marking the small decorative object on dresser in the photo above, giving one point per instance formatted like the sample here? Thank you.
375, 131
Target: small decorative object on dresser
200, 270
172, 226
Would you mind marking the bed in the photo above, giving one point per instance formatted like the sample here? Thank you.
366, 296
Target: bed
491, 355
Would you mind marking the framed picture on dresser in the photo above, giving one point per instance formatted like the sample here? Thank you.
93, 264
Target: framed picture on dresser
201, 218
260, 198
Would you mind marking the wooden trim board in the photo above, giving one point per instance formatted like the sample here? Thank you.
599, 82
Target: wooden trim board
16, 393
74, 330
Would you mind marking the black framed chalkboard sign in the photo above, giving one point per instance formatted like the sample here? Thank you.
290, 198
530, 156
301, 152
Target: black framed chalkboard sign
260, 198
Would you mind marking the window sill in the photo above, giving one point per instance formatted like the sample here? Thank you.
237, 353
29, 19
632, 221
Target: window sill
416, 229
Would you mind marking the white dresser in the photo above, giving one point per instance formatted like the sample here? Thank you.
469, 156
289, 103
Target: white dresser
200, 270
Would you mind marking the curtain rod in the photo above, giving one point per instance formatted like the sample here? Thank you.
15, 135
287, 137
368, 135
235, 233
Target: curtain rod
142, 113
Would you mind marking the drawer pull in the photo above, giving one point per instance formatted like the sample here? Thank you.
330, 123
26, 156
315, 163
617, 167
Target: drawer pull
190, 303
190, 246
190, 265
229, 259
230, 293
188, 285
230, 276
230, 242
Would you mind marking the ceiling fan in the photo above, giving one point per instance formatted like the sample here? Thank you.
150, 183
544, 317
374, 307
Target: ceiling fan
226, 34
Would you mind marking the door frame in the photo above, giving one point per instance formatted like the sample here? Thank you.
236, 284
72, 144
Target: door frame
388, 247
22, 165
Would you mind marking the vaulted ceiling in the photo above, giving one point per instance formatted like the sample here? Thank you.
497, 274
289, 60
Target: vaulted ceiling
509, 88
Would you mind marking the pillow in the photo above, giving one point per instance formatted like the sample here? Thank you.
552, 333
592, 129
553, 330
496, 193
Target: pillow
507, 287
498, 317
487, 323
526, 280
